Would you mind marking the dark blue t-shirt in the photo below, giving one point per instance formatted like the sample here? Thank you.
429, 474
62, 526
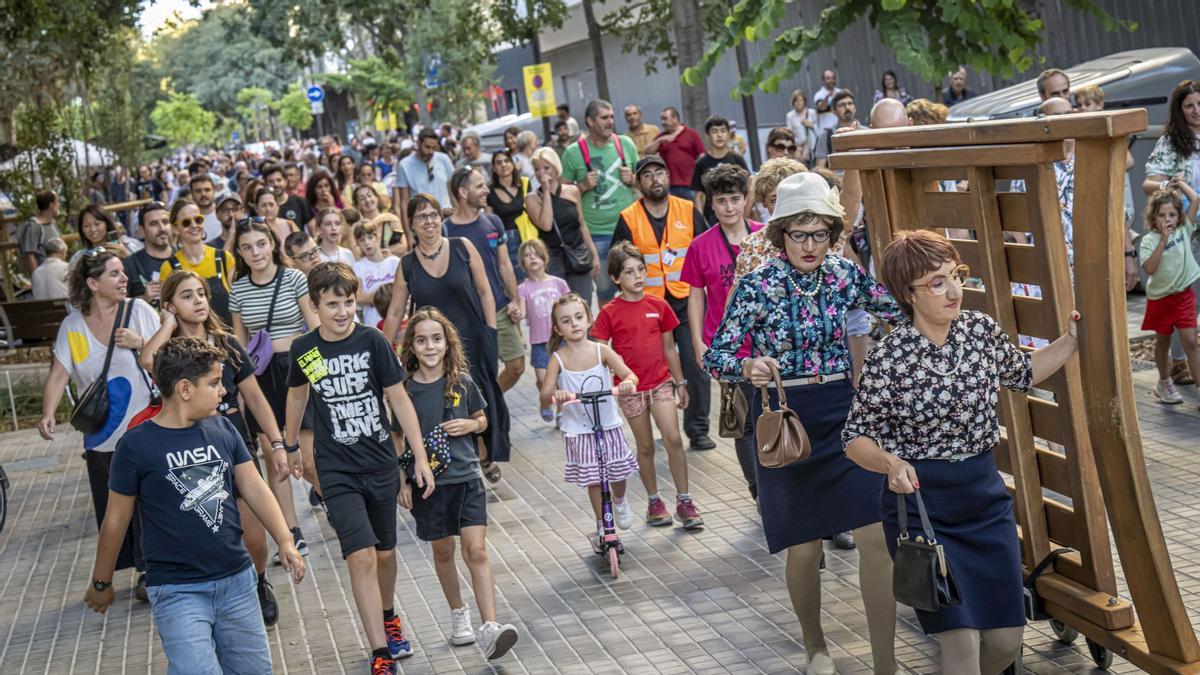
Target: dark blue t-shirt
183, 482
487, 234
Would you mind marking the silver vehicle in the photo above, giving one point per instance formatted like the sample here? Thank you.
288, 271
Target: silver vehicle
1140, 78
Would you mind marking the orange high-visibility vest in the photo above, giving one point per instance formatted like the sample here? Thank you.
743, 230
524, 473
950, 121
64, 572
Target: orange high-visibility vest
664, 257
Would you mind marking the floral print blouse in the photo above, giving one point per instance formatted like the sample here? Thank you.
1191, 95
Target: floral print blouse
756, 250
920, 401
800, 319
1164, 161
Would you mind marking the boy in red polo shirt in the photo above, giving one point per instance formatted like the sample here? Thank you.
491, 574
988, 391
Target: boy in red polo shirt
638, 326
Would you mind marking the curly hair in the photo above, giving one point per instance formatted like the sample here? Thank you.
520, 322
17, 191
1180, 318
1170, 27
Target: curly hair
922, 111
454, 362
1159, 199
772, 173
1177, 131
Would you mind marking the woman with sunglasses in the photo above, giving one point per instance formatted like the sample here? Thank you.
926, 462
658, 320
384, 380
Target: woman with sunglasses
97, 229
925, 415
268, 296
97, 291
194, 255
794, 308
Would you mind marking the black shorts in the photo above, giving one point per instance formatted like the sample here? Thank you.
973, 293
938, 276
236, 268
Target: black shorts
362, 508
449, 509
273, 383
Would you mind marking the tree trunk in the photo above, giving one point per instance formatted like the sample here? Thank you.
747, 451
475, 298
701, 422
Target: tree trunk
689, 43
423, 105
595, 38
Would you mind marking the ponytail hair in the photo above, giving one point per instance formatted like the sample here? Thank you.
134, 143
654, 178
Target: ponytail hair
556, 339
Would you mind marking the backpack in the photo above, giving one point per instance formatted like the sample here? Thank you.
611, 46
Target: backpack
587, 154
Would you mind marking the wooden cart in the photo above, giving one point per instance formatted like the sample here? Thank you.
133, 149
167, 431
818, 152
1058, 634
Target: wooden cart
1072, 455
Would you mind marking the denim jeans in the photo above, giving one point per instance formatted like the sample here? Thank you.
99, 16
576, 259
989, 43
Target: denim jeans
604, 286
212, 627
513, 243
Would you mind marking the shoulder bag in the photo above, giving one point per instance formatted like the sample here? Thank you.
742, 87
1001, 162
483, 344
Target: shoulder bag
578, 257
780, 434
91, 412
921, 576
437, 448
259, 347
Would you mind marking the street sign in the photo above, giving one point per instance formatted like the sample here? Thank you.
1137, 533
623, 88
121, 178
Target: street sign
432, 66
317, 107
539, 90
236, 136
315, 93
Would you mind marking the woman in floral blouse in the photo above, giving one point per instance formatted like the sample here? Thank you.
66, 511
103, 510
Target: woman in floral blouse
925, 415
794, 309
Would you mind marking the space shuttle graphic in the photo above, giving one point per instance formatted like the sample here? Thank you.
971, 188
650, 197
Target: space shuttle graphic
208, 489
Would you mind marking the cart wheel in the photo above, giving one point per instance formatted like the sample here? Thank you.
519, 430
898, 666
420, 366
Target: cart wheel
1017, 667
614, 564
1101, 655
1063, 632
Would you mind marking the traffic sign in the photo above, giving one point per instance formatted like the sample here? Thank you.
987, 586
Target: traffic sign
317, 107
315, 93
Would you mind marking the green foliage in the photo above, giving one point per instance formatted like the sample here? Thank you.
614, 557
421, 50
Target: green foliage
183, 121
929, 37
379, 85
645, 27
294, 109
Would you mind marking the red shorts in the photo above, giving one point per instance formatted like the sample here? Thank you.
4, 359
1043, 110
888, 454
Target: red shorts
1165, 315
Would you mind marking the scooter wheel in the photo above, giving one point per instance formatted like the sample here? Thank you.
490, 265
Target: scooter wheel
614, 563
1064, 633
1101, 655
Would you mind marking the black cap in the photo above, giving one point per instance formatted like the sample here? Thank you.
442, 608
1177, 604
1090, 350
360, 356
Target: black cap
649, 160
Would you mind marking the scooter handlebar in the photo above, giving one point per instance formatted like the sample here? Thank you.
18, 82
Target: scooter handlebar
588, 396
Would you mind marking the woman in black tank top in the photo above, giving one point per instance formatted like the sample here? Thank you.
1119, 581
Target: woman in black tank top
507, 200
555, 210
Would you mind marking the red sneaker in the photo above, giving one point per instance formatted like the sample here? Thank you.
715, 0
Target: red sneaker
687, 514
657, 514
383, 666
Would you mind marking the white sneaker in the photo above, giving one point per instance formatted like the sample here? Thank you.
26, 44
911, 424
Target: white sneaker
461, 632
820, 664
623, 513
1166, 392
496, 639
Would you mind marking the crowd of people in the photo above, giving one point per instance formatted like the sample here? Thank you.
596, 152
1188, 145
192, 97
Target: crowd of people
326, 311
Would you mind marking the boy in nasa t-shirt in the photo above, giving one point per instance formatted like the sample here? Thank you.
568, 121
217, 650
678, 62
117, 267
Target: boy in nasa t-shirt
347, 368
185, 469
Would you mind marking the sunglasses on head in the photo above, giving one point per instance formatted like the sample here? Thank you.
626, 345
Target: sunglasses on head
248, 220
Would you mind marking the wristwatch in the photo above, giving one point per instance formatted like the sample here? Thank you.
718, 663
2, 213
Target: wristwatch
101, 586
1131, 254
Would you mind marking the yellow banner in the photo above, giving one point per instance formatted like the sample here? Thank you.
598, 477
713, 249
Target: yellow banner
385, 121
539, 90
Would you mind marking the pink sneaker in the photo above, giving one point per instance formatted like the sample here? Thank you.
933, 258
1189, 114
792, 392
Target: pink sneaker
657, 514
687, 514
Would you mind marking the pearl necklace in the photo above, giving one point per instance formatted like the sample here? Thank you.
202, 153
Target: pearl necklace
815, 289
958, 361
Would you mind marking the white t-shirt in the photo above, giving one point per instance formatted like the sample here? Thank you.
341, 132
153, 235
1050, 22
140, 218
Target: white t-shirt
343, 255
212, 226
372, 275
826, 120
83, 357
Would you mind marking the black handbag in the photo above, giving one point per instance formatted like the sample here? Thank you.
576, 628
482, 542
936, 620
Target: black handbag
578, 258
921, 576
91, 411
1034, 607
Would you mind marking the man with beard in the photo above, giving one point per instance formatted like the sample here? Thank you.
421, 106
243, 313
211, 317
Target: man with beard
203, 192
426, 170
229, 210
143, 267
291, 207
662, 227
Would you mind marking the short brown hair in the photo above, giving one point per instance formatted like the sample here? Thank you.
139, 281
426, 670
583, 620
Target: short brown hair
335, 277
776, 228
1047, 74
1092, 93
364, 229
772, 173
910, 256
617, 256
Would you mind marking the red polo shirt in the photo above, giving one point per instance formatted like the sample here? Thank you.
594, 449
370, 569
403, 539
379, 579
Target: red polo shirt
680, 156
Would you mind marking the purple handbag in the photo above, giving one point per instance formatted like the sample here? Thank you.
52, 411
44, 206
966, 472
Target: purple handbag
259, 348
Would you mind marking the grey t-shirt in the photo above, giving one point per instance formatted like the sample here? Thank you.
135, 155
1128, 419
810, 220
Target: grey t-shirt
434, 407
33, 235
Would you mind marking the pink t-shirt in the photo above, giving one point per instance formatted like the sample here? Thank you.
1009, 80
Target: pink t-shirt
709, 266
539, 297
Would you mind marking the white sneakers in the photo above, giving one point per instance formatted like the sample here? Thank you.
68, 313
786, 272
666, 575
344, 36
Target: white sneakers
820, 664
1166, 392
623, 514
496, 640
461, 633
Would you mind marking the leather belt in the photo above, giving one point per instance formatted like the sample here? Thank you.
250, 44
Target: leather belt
812, 379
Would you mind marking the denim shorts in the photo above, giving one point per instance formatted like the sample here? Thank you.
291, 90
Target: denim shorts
539, 356
212, 627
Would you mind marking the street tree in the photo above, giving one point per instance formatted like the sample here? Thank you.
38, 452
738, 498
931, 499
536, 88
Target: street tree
254, 106
183, 121
294, 109
929, 37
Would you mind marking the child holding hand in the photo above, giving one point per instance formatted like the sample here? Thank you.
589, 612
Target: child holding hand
537, 295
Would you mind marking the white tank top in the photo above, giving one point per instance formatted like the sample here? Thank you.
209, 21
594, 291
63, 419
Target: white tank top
577, 417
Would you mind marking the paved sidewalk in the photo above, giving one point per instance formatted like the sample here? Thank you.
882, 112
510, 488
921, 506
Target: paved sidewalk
711, 602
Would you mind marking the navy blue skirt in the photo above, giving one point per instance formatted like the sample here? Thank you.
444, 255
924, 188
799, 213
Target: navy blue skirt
972, 517
825, 494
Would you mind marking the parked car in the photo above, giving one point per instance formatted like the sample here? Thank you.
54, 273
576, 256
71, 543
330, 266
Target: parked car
1140, 78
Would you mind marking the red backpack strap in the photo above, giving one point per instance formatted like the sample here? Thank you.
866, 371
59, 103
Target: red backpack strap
587, 155
620, 150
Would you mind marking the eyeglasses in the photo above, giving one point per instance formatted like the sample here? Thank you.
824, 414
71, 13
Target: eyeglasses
939, 284
800, 236
427, 217
306, 256
784, 147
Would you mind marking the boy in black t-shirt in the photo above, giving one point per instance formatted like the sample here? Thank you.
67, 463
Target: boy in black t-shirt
349, 367
185, 468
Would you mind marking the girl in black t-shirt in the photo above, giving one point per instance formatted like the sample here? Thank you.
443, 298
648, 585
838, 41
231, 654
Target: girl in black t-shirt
186, 313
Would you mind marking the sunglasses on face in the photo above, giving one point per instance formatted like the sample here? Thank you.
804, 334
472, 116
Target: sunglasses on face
799, 236
194, 220
784, 147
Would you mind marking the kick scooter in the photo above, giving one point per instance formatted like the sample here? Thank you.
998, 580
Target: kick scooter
610, 544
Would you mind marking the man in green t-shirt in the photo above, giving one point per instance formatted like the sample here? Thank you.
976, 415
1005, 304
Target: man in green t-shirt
605, 177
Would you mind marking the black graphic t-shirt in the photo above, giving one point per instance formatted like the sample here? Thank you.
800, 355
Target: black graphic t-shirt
296, 210
433, 408
183, 482
351, 431
234, 371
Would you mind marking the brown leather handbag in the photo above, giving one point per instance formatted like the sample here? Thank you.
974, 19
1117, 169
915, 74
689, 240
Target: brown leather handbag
734, 409
780, 434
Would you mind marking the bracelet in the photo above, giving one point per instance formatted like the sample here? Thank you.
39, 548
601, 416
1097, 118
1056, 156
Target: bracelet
277, 443
289, 449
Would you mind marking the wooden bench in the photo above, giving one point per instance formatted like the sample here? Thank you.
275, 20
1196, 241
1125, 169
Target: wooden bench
31, 323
